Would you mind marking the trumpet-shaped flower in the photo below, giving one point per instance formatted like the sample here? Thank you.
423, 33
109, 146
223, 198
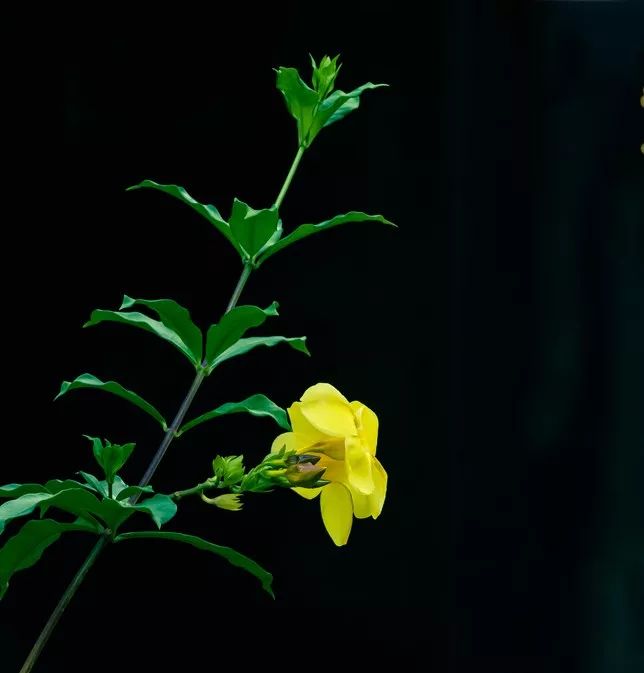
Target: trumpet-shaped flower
344, 434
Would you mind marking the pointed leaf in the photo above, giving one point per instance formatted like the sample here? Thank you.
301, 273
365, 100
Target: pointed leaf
160, 507
176, 318
305, 230
229, 554
58, 485
338, 105
210, 213
74, 500
233, 325
102, 487
257, 405
95, 483
252, 228
142, 321
300, 100
113, 513
89, 381
26, 547
130, 491
111, 457
16, 490
244, 345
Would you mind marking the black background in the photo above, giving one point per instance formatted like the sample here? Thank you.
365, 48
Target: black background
498, 333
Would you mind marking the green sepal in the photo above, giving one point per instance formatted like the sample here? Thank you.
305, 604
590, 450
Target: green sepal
257, 405
232, 556
91, 382
229, 470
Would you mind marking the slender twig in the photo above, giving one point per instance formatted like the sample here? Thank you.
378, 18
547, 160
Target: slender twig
195, 490
289, 177
158, 456
60, 608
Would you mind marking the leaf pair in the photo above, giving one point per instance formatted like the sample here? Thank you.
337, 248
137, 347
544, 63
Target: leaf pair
257, 234
82, 500
25, 549
256, 405
174, 325
313, 109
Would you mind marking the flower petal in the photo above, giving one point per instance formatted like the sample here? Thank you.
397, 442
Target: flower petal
377, 498
333, 418
337, 512
308, 493
324, 391
358, 463
302, 426
291, 440
361, 504
369, 422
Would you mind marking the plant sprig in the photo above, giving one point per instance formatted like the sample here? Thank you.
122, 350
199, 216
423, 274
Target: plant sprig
101, 506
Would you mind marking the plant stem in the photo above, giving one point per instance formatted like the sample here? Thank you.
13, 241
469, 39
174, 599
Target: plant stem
195, 490
170, 432
158, 456
238, 290
289, 177
62, 604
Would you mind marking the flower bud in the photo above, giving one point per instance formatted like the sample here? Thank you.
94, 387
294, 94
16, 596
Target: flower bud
228, 501
324, 75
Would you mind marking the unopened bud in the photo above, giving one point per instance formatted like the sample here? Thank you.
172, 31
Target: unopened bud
229, 501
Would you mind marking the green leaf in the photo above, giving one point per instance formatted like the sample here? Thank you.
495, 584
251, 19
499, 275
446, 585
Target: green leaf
102, 487
26, 547
111, 457
252, 228
305, 230
130, 491
16, 490
74, 500
176, 318
300, 100
89, 381
244, 345
210, 213
58, 485
311, 109
338, 105
229, 554
94, 483
146, 323
160, 507
233, 325
257, 405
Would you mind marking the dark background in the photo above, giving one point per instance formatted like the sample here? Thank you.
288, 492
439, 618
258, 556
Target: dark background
498, 333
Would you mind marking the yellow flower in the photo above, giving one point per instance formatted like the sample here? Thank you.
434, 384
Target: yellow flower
344, 434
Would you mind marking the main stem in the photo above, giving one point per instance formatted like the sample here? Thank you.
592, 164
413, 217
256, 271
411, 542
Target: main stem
55, 616
60, 608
